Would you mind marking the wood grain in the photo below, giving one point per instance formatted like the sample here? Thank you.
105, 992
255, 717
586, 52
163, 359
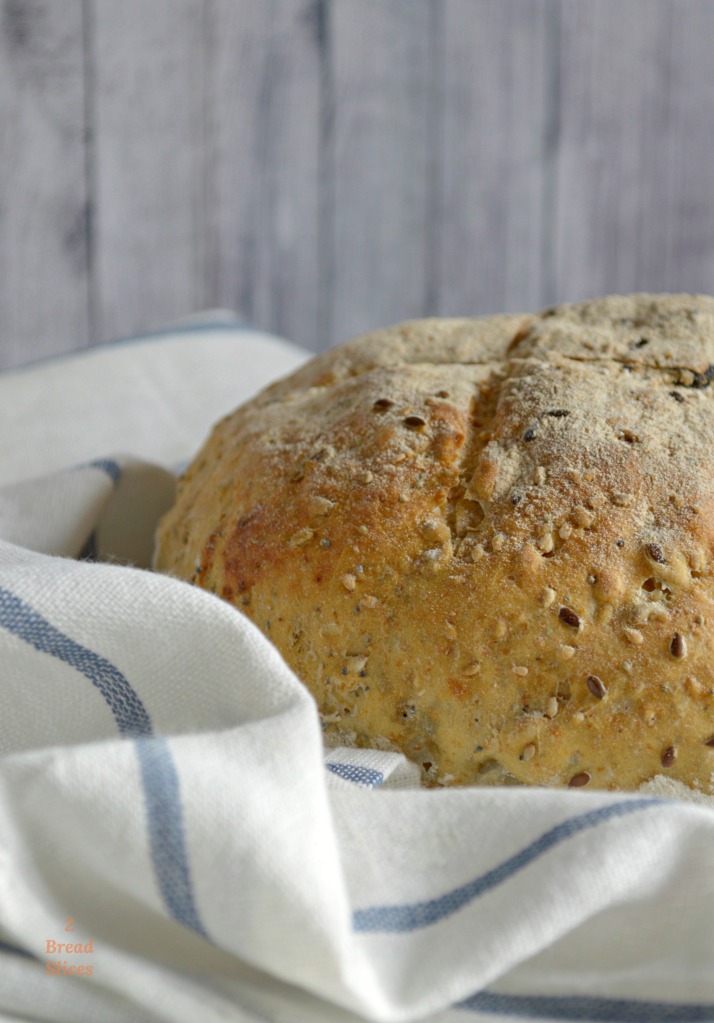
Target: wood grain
263, 101
378, 162
43, 190
635, 201
498, 70
147, 125
328, 166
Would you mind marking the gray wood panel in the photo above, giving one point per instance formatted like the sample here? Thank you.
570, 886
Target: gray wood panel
263, 102
148, 153
379, 145
498, 72
329, 166
43, 189
635, 193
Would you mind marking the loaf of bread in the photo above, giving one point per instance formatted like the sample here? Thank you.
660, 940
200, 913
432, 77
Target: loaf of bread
484, 542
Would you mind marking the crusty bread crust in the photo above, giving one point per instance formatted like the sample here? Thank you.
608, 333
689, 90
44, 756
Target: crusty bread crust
485, 542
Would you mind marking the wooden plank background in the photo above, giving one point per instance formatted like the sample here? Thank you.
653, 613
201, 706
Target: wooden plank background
328, 166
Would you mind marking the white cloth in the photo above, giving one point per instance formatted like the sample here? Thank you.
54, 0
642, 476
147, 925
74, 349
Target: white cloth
166, 803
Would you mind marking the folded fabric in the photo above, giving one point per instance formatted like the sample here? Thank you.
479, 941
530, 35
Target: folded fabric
176, 844
154, 398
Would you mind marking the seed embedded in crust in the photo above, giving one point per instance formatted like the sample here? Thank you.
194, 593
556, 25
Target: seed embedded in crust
545, 542
656, 553
321, 505
547, 596
569, 617
530, 434
565, 531
520, 669
551, 707
678, 646
710, 742
597, 687
414, 422
676, 395
703, 379
528, 752
383, 403
300, 538
668, 756
578, 780
471, 669
348, 581
355, 663
565, 652
583, 517
633, 636
558, 413
694, 687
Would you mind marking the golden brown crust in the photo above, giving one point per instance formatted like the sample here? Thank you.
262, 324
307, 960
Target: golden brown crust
487, 542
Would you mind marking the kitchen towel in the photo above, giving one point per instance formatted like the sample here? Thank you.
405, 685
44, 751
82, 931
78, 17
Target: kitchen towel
175, 842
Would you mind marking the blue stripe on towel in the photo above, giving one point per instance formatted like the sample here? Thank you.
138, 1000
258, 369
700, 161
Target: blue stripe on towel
159, 776
412, 916
589, 1010
15, 951
357, 774
166, 831
107, 465
26, 623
